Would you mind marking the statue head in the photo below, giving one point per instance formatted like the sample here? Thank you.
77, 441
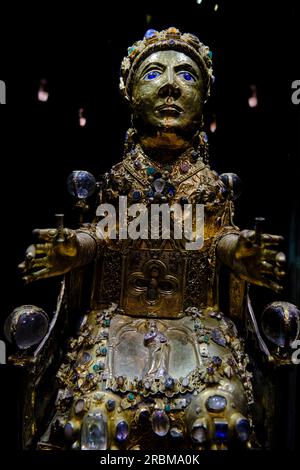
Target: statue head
166, 79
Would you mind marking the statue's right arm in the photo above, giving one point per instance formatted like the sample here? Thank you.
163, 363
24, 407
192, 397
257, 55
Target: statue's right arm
58, 252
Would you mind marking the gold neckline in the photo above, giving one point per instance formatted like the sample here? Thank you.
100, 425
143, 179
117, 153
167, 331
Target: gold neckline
145, 162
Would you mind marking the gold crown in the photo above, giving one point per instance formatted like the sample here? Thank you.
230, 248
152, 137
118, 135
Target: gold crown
170, 38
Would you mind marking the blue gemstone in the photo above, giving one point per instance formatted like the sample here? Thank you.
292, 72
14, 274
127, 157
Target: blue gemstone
183, 200
205, 137
136, 196
218, 337
216, 403
221, 430
243, 429
150, 33
171, 190
110, 405
171, 42
217, 361
169, 383
122, 431
86, 357
194, 155
150, 193
224, 192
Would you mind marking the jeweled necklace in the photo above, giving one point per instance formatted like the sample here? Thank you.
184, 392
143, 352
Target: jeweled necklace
161, 179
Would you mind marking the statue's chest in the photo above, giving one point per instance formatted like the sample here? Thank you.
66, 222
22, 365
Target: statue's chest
155, 282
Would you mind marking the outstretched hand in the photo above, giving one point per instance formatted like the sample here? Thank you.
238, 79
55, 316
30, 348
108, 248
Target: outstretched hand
55, 255
258, 260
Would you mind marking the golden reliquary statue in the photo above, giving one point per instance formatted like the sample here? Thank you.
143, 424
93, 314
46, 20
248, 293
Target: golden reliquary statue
159, 359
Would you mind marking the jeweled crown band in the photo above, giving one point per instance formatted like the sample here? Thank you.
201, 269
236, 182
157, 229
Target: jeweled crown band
170, 38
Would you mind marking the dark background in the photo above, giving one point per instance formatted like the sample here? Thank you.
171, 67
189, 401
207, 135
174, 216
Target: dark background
78, 50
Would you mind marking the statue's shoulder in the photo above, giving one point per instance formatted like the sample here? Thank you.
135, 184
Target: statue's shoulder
205, 172
117, 168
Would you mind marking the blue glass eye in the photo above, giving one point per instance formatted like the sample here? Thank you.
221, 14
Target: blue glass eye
152, 75
187, 76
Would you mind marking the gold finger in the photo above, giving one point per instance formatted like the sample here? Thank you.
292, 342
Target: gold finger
22, 266
278, 273
43, 248
270, 255
47, 234
272, 285
40, 262
266, 267
30, 252
268, 239
36, 275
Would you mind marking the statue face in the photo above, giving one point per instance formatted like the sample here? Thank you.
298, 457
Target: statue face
167, 95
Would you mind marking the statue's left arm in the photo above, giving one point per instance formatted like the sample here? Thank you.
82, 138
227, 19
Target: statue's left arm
253, 258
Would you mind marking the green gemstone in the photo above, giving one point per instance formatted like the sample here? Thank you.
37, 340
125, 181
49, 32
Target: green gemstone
206, 338
130, 50
150, 170
99, 366
167, 408
103, 351
210, 54
106, 322
130, 396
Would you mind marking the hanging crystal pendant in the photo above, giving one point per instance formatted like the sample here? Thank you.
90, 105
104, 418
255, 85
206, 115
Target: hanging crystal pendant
94, 434
26, 326
81, 184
